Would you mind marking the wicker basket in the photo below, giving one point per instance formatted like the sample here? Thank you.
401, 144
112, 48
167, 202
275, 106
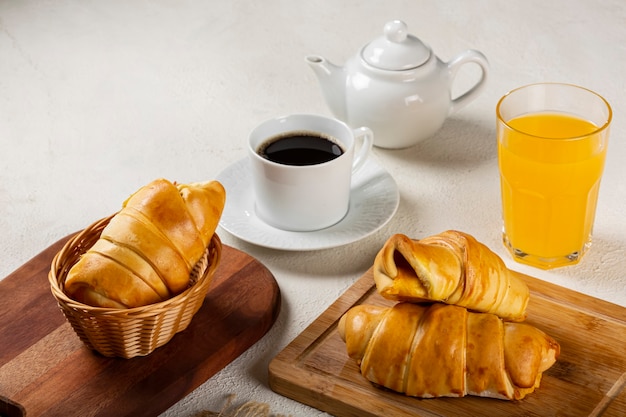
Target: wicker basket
136, 331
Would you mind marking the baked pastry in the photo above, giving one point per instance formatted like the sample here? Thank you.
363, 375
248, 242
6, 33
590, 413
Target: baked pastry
148, 249
451, 267
439, 350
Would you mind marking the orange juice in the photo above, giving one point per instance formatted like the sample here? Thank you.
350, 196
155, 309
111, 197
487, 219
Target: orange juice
550, 166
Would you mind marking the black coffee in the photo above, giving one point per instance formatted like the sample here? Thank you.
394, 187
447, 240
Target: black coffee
300, 148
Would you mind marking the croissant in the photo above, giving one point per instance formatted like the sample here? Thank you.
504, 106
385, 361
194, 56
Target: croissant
147, 251
439, 350
451, 267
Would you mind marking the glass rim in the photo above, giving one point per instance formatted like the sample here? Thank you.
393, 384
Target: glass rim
594, 132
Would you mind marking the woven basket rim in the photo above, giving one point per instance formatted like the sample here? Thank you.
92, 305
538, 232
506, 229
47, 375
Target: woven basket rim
55, 279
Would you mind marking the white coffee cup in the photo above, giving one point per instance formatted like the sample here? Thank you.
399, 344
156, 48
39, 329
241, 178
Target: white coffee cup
305, 197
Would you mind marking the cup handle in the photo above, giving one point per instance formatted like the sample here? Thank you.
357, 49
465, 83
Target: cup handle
366, 147
455, 64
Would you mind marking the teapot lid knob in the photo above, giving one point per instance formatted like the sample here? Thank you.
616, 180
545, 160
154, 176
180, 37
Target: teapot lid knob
396, 31
396, 50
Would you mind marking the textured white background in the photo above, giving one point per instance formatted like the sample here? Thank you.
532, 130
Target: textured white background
99, 97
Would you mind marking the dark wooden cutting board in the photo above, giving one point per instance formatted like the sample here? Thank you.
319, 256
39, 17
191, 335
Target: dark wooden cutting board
589, 378
46, 371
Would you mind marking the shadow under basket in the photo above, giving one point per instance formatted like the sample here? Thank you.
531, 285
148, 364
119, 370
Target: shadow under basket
131, 332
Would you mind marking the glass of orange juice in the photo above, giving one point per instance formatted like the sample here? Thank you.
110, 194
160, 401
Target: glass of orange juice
552, 142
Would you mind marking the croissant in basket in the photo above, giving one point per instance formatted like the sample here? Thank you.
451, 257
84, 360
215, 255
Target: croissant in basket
450, 267
149, 248
439, 350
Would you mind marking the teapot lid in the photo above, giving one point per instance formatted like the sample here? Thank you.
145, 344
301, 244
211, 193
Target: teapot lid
396, 50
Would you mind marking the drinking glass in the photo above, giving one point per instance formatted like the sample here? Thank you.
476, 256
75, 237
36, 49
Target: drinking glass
552, 143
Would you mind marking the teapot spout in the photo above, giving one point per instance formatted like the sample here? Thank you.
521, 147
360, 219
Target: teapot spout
332, 79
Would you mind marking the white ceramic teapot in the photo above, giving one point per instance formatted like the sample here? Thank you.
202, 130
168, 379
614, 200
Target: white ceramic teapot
396, 86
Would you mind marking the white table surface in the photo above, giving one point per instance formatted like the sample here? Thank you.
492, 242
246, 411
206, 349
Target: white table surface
98, 98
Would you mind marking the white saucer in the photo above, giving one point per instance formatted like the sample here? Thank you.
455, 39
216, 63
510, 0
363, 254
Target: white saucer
374, 200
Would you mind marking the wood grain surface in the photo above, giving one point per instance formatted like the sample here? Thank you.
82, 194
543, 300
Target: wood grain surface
587, 380
46, 371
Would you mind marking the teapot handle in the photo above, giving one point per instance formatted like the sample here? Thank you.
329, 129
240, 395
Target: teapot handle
469, 56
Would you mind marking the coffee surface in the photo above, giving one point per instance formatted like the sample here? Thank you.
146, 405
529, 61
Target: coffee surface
300, 148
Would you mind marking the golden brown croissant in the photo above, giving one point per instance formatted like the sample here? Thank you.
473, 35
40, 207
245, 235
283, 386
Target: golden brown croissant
451, 267
439, 350
147, 251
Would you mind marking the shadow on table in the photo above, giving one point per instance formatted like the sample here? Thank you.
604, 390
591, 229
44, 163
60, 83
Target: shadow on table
460, 142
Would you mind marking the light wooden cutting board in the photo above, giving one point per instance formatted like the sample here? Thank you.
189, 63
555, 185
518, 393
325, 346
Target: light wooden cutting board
45, 370
587, 380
